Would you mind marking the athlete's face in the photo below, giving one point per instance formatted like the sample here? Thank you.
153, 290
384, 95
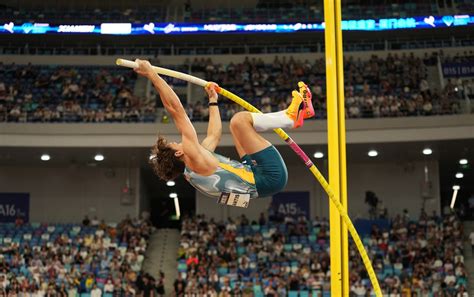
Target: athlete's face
178, 147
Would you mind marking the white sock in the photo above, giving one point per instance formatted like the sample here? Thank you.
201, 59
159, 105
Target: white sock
273, 120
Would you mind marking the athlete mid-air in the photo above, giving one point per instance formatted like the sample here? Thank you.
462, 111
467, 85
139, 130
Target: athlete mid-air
262, 171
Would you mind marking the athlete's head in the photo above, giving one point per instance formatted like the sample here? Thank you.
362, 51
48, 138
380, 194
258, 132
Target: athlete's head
166, 159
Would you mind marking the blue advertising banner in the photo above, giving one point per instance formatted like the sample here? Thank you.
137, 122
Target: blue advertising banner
291, 203
151, 28
458, 69
13, 205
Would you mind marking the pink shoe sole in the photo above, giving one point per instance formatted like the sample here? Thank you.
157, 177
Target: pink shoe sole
307, 99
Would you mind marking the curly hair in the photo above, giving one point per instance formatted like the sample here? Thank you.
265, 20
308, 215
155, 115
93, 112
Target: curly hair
164, 162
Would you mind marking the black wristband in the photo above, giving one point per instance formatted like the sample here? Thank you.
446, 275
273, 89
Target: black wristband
213, 104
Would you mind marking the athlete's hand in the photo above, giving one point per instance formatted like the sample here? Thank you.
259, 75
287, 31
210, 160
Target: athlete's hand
144, 68
211, 92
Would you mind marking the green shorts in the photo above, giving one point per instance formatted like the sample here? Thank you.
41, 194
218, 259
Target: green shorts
269, 171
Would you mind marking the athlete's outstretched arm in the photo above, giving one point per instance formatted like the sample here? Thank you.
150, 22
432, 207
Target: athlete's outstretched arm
214, 128
171, 102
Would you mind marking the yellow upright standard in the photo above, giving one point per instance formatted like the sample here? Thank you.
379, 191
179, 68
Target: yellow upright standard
339, 249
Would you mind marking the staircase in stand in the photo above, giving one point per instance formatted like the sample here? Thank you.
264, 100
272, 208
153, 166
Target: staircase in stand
161, 255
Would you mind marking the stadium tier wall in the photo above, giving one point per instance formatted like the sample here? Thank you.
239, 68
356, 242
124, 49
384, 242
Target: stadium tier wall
388, 180
78, 191
381, 130
65, 195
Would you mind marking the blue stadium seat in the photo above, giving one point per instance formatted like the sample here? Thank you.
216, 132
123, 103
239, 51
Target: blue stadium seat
304, 294
257, 289
240, 250
222, 271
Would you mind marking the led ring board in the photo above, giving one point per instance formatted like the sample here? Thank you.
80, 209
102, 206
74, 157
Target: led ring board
151, 28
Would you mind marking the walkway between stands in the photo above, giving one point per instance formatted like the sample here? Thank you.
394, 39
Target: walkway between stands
161, 255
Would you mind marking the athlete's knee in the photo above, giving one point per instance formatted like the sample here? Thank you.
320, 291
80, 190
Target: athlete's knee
240, 120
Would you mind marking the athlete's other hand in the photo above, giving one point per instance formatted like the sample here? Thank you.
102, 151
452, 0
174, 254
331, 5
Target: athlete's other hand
211, 91
144, 68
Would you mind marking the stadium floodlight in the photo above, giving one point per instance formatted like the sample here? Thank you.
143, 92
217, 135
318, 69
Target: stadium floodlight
45, 157
372, 153
456, 188
170, 183
459, 175
427, 151
176, 207
318, 155
99, 157
173, 195
463, 161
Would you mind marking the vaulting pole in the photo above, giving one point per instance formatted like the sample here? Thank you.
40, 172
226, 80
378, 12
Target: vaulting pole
342, 211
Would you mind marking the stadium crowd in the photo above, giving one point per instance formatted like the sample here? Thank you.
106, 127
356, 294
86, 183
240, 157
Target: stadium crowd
393, 86
92, 258
308, 11
286, 256
264, 11
83, 15
70, 94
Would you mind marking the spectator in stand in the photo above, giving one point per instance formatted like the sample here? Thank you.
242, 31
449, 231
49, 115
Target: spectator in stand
160, 284
96, 292
471, 237
95, 222
109, 286
86, 221
19, 221
147, 288
179, 285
